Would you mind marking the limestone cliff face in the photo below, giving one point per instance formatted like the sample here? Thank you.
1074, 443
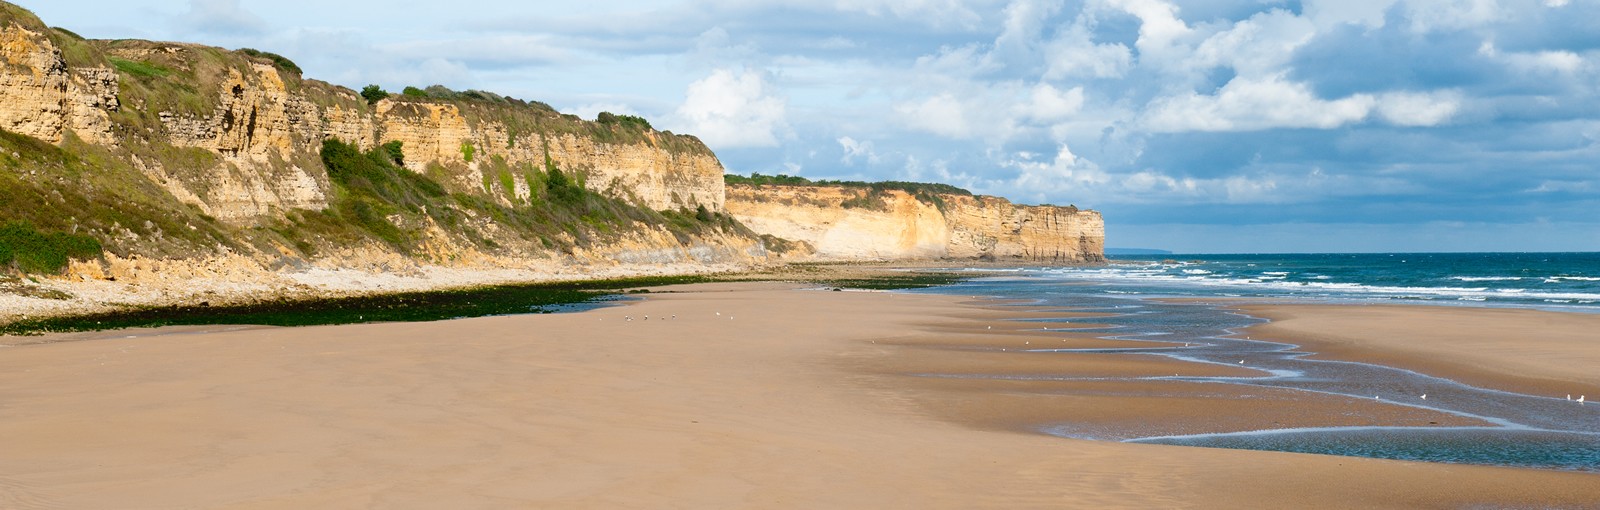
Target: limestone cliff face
40, 96
645, 172
266, 127
895, 225
219, 152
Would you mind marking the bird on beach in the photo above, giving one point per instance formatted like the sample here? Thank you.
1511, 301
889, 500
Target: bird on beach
1241, 362
1580, 399
1424, 396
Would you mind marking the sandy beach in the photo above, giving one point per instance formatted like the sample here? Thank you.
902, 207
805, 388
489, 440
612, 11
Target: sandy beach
1524, 351
735, 395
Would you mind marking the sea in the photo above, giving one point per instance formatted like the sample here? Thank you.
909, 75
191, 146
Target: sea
1536, 431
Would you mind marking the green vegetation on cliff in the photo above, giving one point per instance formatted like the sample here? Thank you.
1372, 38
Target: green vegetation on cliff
757, 179
869, 195
87, 191
188, 151
25, 248
383, 201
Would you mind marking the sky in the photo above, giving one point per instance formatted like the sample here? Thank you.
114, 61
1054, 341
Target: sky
1205, 126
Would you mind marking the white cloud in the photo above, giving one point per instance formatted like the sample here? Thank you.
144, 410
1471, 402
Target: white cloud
728, 109
1246, 104
1260, 45
856, 149
942, 115
1419, 109
1160, 28
1065, 173
1074, 54
1049, 104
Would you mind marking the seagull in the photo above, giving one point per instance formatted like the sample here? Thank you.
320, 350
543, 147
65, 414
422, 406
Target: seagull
1241, 362
1569, 396
647, 317
1424, 396
719, 314
1580, 399
630, 318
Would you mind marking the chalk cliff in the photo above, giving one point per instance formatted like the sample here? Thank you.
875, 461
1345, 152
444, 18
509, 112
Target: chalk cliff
855, 223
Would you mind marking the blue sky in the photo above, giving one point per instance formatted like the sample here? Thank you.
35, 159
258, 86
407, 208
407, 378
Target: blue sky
1194, 126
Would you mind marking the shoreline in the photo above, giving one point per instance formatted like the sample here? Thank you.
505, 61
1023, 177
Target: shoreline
29, 298
1532, 352
740, 398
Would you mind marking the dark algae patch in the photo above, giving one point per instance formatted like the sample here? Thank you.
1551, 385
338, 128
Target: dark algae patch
426, 306
403, 307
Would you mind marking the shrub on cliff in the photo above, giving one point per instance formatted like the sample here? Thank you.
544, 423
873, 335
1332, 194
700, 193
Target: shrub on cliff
370, 188
629, 121
278, 61
373, 94
29, 250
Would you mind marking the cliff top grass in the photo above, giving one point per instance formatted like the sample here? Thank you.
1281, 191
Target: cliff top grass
914, 188
869, 196
529, 117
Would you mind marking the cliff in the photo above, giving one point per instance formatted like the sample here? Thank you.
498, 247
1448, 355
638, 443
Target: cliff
862, 223
157, 172
179, 151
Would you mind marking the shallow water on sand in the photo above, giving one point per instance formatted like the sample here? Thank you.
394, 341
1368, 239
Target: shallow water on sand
1527, 431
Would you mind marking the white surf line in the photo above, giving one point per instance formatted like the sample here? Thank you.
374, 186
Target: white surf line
1354, 428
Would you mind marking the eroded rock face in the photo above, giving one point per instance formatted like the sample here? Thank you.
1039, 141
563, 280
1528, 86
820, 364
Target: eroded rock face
41, 97
904, 227
265, 131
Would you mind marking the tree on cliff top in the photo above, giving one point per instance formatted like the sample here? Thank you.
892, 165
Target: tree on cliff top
373, 94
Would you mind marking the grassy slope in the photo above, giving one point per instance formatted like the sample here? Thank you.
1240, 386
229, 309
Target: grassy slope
98, 191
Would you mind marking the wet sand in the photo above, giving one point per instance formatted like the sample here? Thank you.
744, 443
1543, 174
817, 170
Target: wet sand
755, 395
1525, 351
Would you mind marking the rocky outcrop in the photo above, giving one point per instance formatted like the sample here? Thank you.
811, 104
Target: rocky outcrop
215, 152
847, 223
40, 96
177, 154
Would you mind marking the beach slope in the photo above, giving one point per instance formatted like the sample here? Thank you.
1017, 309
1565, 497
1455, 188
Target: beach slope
748, 395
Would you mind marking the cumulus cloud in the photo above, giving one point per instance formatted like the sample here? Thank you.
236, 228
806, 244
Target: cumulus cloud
731, 109
1074, 54
943, 115
1419, 109
1246, 104
857, 149
1049, 104
1160, 30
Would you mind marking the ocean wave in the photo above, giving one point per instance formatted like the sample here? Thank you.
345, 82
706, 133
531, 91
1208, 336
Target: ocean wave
1486, 278
1327, 288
